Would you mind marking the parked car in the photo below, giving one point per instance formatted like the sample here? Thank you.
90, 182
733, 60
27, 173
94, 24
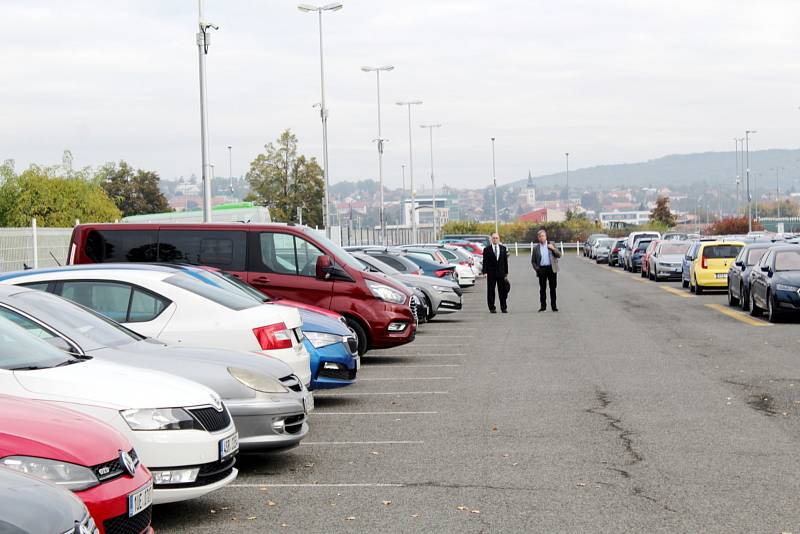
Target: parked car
283, 261
675, 236
268, 403
181, 430
666, 261
602, 249
429, 268
636, 254
589, 243
775, 283
709, 268
29, 505
739, 273
616, 253
645, 268
176, 308
483, 240
81, 454
686, 263
630, 246
464, 264
440, 295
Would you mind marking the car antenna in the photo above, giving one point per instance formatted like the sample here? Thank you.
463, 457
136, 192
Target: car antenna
55, 259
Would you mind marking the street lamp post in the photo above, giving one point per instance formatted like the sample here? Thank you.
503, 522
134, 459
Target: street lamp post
430, 128
203, 42
747, 172
380, 140
738, 178
567, 154
494, 181
403, 197
411, 169
323, 111
230, 167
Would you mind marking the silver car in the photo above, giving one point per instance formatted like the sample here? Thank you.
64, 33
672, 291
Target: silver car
440, 294
268, 403
667, 260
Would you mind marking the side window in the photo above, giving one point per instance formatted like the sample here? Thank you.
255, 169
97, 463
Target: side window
145, 307
118, 301
277, 253
393, 263
121, 245
307, 255
449, 255
222, 249
39, 286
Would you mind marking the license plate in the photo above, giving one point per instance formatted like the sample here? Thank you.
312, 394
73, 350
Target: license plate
228, 446
308, 402
722, 275
676, 269
140, 499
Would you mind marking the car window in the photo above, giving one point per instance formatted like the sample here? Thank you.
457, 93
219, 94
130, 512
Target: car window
712, 252
307, 254
118, 301
217, 248
393, 262
277, 253
765, 259
787, 260
673, 248
754, 255
223, 297
22, 350
121, 245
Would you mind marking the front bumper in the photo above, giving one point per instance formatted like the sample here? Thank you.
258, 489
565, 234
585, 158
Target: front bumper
166, 495
382, 338
787, 300
337, 355
266, 425
108, 503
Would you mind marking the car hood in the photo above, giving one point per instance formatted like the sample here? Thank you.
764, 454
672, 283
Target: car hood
791, 278
44, 430
111, 385
317, 322
33, 505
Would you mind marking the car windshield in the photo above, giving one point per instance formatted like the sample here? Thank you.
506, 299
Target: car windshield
229, 299
674, 248
787, 260
72, 317
755, 254
715, 252
22, 350
338, 252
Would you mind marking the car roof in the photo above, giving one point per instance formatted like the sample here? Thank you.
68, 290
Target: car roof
155, 272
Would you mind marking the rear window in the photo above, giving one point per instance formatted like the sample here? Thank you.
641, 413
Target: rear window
229, 299
787, 260
394, 263
642, 245
713, 252
669, 248
121, 245
755, 254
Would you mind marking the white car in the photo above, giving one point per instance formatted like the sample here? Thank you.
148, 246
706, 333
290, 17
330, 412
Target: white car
181, 430
177, 308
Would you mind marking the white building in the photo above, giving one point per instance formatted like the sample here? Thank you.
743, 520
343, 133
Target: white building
424, 211
611, 219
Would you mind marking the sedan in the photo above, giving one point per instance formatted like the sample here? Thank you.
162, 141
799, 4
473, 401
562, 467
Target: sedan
176, 308
267, 401
602, 249
775, 283
665, 261
181, 430
80, 454
739, 274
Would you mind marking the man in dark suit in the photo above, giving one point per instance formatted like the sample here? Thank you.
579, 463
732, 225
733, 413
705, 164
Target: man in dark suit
544, 258
495, 266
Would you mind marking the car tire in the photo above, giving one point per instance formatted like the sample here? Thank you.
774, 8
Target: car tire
732, 301
773, 315
431, 311
755, 311
698, 290
361, 334
744, 299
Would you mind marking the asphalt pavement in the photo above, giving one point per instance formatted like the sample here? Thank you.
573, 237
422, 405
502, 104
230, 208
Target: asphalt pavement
636, 408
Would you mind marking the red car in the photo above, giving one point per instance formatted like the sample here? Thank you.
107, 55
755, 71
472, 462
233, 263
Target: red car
646, 257
82, 454
281, 260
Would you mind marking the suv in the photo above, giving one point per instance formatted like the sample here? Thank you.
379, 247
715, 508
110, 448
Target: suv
283, 261
630, 246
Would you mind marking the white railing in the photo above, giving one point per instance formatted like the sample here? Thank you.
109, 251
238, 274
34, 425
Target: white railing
32, 247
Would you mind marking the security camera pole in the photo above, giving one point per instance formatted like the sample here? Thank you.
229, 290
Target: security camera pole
203, 42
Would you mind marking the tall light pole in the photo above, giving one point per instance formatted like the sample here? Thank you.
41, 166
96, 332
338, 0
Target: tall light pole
738, 177
403, 197
494, 181
430, 128
747, 172
323, 111
230, 167
408, 104
567, 154
203, 42
778, 189
380, 140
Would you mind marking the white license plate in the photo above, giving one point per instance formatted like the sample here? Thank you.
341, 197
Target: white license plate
308, 402
722, 275
140, 499
228, 446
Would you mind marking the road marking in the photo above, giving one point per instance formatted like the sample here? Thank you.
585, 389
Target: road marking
422, 336
373, 413
404, 378
310, 443
314, 485
396, 365
739, 316
684, 294
388, 354
327, 395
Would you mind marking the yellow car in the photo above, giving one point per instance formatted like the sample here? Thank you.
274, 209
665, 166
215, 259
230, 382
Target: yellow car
709, 269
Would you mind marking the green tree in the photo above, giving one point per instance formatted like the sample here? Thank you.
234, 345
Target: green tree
284, 180
135, 192
662, 214
54, 200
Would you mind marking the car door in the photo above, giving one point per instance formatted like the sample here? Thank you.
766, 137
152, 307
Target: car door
735, 273
759, 280
281, 264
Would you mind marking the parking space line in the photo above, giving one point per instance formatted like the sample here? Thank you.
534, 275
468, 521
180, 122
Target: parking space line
684, 294
315, 485
373, 413
311, 443
372, 366
365, 394
406, 378
739, 316
366, 360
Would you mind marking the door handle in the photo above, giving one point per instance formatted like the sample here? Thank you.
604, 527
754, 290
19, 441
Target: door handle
260, 280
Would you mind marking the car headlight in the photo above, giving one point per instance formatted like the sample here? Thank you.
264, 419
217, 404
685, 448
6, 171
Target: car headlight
441, 289
258, 381
70, 476
158, 419
784, 287
322, 339
385, 293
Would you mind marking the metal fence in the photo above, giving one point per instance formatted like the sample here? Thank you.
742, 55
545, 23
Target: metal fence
31, 247
372, 236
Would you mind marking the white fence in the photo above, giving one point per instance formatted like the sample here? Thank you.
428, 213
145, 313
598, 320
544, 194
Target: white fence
32, 247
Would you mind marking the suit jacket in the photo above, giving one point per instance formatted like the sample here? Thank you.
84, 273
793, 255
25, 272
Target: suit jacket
493, 265
536, 257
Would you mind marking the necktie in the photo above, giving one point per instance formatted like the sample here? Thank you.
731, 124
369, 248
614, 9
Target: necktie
496, 252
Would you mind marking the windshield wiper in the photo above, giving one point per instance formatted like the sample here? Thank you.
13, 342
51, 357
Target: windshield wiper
69, 362
28, 368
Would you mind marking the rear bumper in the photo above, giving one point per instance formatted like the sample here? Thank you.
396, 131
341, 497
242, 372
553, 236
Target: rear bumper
709, 279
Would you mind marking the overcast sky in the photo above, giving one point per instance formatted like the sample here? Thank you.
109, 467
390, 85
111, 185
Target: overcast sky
609, 81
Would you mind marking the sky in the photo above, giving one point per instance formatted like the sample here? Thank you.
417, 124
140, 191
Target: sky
609, 81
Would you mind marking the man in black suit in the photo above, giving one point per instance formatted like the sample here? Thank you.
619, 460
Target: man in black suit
544, 259
495, 266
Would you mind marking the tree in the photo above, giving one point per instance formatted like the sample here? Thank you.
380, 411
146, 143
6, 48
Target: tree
282, 180
732, 225
54, 200
135, 192
662, 214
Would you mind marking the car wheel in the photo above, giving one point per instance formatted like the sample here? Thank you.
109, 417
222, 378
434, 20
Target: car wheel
697, 289
773, 315
361, 335
732, 301
755, 311
431, 311
744, 299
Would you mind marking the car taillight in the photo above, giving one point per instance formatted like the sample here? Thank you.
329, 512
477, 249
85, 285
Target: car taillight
463, 263
441, 273
273, 337
704, 263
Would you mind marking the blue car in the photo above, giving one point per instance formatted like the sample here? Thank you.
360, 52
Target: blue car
686, 264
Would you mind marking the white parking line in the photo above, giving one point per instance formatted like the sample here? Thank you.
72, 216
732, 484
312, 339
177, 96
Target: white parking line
388, 354
404, 378
413, 365
362, 394
373, 413
357, 485
309, 443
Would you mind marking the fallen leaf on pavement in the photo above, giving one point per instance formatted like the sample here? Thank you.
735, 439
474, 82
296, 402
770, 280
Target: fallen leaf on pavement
271, 503
581, 484
475, 511
387, 503
351, 518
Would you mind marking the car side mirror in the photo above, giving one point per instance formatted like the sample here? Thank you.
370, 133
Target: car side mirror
323, 267
765, 268
740, 264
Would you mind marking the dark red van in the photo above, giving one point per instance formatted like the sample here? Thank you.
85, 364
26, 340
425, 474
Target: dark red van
287, 261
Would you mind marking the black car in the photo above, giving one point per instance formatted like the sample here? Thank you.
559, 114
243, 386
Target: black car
638, 252
616, 252
775, 282
739, 274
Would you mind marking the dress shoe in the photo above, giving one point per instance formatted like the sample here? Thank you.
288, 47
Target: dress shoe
492, 311
542, 309
555, 309
504, 311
